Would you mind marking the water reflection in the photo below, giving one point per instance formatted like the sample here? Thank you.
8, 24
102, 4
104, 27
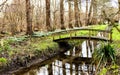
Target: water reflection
76, 61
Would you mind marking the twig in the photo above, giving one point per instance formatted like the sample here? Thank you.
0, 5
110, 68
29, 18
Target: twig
3, 3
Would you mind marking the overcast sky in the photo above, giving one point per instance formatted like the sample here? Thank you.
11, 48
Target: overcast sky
9, 1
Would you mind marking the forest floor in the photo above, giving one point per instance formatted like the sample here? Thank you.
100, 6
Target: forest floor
21, 50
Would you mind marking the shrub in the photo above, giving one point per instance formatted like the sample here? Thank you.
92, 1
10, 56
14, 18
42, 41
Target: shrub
3, 61
104, 55
4, 45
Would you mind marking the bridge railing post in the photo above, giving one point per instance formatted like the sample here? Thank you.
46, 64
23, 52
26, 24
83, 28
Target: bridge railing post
89, 34
111, 35
93, 33
53, 37
104, 34
70, 35
75, 33
59, 36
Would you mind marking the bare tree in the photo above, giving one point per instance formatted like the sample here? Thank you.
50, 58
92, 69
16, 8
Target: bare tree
119, 10
94, 18
28, 18
119, 4
70, 14
62, 14
56, 17
48, 24
76, 13
54, 10
110, 18
80, 9
89, 14
2, 5
86, 12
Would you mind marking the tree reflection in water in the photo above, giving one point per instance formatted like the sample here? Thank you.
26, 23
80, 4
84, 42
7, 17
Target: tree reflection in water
76, 61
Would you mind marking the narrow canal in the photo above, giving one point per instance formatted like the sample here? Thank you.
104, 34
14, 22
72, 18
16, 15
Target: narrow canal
76, 61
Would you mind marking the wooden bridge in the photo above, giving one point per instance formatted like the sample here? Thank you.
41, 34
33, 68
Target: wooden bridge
83, 33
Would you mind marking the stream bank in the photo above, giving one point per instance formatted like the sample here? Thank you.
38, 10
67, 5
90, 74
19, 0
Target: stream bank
37, 58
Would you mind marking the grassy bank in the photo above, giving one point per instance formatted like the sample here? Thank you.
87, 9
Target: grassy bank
25, 48
116, 34
116, 40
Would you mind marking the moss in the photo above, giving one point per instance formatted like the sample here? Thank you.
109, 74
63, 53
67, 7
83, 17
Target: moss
4, 46
78, 33
99, 26
3, 61
44, 45
116, 34
22, 46
116, 40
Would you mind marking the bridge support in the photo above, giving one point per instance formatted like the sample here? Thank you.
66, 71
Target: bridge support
111, 35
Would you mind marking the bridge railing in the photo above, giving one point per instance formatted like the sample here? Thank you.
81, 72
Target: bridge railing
83, 32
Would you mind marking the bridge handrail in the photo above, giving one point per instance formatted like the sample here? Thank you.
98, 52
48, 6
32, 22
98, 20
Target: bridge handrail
87, 29
109, 35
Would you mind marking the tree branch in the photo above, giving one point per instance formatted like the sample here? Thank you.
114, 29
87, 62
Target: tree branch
3, 3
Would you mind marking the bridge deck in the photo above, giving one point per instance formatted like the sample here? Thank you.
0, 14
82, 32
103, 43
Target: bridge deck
82, 37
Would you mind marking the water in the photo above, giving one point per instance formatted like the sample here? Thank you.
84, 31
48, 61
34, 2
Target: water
72, 62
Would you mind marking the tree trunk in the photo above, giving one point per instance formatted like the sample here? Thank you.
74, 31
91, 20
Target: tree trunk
54, 15
62, 14
28, 18
13, 28
76, 13
80, 5
119, 4
48, 15
94, 18
54, 18
89, 14
70, 14
86, 13
119, 11
112, 21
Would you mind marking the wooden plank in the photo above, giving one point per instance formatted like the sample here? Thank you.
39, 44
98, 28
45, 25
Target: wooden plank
81, 29
82, 37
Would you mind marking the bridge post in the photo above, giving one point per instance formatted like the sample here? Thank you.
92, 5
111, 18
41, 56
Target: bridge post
111, 35
75, 34
59, 36
70, 35
89, 35
53, 38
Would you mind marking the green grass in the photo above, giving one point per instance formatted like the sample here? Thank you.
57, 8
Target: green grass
24, 46
116, 34
116, 40
3, 61
102, 27
77, 32
43, 45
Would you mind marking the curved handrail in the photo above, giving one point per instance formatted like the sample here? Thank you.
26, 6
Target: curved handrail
78, 29
107, 33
